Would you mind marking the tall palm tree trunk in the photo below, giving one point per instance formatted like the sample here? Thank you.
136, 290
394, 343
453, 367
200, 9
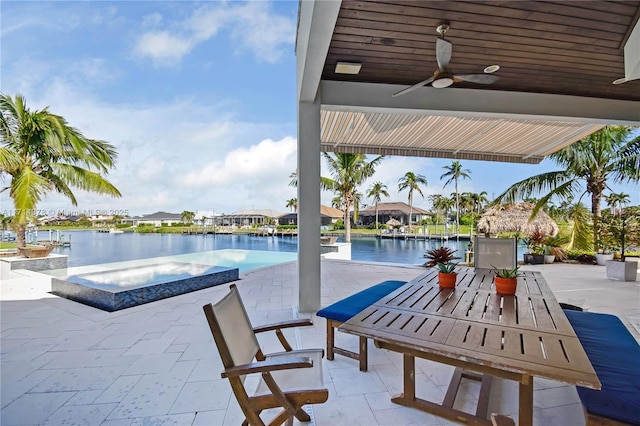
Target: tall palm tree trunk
376, 215
596, 214
347, 220
457, 209
21, 231
410, 211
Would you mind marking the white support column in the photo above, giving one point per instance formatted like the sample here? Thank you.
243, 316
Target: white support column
309, 205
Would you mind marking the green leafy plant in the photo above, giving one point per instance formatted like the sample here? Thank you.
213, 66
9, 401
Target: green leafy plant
507, 273
447, 268
439, 255
535, 242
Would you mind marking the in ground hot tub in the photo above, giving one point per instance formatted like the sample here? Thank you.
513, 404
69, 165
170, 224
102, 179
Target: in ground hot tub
117, 289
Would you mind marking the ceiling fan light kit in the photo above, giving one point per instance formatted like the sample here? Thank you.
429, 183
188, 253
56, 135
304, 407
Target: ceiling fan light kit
444, 77
441, 83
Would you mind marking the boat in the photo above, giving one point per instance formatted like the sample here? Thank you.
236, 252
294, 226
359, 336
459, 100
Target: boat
115, 231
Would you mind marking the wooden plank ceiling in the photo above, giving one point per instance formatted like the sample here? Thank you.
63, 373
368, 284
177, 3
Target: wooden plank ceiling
567, 48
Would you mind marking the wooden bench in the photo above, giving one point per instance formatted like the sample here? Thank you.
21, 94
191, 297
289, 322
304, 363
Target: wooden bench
615, 356
344, 309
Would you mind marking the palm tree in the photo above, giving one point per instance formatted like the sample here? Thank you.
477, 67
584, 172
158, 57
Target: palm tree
294, 179
411, 181
348, 171
292, 204
187, 216
376, 191
42, 153
480, 201
454, 173
4, 223
435, 201
617, 200
608, 154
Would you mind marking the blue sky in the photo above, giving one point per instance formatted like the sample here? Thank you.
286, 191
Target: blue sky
198, 98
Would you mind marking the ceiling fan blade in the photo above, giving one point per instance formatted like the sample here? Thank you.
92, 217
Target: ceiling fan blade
443, 53
477, 78
414, 87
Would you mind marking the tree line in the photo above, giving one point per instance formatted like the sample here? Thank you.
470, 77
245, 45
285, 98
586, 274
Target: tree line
586, 169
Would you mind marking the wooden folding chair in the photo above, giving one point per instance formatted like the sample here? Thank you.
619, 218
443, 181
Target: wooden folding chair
289, 379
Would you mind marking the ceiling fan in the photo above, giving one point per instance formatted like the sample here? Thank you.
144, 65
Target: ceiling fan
443, 77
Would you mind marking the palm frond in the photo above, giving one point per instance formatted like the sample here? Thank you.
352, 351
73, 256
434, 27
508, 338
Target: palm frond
84, 179
27, 189
545, 182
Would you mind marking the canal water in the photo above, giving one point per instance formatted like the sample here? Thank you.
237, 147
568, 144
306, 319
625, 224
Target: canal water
92, 247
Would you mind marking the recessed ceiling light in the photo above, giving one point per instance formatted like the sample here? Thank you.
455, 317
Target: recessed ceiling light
620, 81
348, 67
491, 69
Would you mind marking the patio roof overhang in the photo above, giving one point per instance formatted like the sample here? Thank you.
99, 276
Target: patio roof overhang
558, 60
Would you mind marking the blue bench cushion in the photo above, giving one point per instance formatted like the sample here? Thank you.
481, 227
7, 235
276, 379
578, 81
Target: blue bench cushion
615, 356
348, 307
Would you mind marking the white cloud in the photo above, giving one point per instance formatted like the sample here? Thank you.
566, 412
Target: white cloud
262, 33
164, 48
174, 156
254, 26
269, 162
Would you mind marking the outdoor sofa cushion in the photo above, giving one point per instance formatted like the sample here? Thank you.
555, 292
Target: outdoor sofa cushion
344, 309
615, 356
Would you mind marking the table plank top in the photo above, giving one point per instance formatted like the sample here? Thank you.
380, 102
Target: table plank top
527, 333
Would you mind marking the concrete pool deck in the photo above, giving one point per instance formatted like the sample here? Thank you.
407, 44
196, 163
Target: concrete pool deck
64, 362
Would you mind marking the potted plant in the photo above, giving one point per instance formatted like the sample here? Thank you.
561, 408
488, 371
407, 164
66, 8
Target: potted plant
439, 255
554, 246
548, 256
506, 281
446, 275
623, 231
535, 247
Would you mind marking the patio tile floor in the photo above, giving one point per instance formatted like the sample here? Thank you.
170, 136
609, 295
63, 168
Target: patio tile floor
66, 363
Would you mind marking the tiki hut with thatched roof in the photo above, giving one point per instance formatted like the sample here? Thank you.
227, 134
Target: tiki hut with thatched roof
516, 218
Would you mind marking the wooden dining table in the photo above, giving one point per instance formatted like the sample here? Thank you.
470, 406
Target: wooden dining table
481, 333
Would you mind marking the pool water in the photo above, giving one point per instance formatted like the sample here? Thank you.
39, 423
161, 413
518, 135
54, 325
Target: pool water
140, 276
115, 289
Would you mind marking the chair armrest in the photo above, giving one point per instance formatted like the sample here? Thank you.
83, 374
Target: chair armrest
267, 365
283, 324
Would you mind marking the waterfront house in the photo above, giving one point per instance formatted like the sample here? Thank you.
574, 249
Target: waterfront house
328, 216
249, 218
398, 211
157, 219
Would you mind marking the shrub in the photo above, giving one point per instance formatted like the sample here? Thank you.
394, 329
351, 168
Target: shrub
587, 259
467, 219
287, 227
439, 255
338, 225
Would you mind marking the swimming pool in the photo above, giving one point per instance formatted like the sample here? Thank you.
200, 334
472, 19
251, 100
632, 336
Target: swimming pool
119, 285
115, 289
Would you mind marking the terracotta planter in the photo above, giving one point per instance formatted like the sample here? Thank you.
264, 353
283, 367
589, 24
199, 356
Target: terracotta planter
447, 280
506, 286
